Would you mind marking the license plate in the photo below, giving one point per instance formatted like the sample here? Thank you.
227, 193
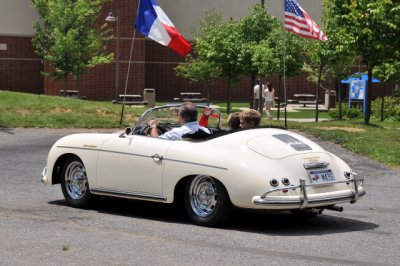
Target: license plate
321, 175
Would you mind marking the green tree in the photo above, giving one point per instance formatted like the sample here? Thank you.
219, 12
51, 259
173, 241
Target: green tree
388, 71
288, 56
198, 70
332, 57
217, 47
255, 29
68, 38
374, 27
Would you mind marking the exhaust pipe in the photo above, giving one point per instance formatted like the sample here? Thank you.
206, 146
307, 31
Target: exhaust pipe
335, 208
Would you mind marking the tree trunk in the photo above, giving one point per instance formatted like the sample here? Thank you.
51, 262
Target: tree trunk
252, 84
279, 97
78, 81
228, 104
383, 102
317, 93
260, 99
340, 99
367, 99
65, 87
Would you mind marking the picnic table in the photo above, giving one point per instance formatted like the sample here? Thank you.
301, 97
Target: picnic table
191, 97
305, 98
69, 92
131, 99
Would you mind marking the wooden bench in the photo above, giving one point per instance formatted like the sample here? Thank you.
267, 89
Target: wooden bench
308, 102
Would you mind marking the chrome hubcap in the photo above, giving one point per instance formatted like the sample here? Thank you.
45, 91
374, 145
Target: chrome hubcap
76, 180
203, 195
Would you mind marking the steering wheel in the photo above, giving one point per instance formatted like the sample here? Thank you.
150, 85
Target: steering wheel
161, 129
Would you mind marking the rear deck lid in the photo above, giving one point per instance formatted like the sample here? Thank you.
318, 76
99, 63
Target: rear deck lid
278, 145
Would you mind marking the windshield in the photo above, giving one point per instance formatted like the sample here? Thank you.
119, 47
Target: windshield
168, 114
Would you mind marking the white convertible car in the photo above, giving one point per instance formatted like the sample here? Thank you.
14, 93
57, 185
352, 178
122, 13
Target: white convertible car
261, 168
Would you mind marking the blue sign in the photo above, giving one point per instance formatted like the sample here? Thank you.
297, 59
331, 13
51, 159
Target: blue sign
357, 89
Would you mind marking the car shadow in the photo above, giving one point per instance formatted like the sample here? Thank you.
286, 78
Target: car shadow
286, 223
7, 130
253, 221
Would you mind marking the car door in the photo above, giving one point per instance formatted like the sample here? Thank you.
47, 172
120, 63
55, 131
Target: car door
132, 164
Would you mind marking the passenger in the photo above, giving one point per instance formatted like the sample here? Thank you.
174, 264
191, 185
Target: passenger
187, 119
234, 121
205, 115
249, 118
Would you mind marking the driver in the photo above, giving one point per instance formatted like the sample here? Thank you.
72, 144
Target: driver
188, 120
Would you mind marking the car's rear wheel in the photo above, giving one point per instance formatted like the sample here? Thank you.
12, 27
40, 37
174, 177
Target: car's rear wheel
206, 201
74, 183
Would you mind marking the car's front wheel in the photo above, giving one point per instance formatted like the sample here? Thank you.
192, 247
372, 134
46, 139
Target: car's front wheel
206, 201
74, 183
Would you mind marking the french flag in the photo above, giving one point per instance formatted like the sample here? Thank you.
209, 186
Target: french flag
152, 22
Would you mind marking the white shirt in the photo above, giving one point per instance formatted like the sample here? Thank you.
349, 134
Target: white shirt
268, 95
257, 91
176, 133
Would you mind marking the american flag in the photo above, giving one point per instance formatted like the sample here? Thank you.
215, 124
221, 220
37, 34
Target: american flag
299, 22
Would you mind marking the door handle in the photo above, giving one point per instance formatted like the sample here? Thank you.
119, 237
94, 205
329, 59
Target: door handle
157, 158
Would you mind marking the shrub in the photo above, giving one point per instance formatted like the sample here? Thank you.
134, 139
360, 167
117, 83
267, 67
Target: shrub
391, 108
354, 113
346, 112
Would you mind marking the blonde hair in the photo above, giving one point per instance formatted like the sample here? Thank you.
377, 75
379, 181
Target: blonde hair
250, 115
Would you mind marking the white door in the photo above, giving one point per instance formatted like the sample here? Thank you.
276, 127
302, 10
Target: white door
132, 164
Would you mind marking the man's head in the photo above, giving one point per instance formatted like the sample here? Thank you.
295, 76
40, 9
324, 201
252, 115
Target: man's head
249, 118
188, 112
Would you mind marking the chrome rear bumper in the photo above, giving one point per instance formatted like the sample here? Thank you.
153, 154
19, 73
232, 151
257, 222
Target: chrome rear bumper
304, 201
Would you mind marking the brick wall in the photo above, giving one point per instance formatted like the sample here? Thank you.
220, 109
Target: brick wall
19, 66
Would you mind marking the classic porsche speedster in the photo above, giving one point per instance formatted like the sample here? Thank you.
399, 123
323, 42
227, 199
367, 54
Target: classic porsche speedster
260, 168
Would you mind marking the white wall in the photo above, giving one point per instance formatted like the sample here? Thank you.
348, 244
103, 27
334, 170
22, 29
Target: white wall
185, 13
17, 17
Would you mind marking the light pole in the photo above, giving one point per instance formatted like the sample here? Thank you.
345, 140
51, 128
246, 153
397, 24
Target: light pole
112, 18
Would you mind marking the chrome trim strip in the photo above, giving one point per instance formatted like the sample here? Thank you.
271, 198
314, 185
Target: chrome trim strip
199, 164
130, 195
147, 156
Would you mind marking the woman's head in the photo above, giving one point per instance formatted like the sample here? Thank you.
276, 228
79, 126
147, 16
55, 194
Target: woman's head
234, 121
269, 86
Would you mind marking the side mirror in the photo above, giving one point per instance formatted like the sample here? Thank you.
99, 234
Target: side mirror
127, 131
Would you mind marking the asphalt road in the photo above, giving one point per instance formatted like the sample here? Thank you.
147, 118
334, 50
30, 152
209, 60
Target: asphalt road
38, 228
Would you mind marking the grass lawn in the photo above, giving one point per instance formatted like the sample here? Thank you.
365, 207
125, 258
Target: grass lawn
379, 140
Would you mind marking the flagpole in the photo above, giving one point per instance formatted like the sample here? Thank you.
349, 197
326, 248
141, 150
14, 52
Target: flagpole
129, 68
284, 65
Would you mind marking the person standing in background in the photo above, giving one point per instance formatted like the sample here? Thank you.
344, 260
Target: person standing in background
256, 95
269, 96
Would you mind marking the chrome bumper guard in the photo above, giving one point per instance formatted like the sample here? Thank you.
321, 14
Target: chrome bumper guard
44, 175
302, 201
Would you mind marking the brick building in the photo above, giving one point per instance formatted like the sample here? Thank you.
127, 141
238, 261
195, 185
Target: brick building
152, 65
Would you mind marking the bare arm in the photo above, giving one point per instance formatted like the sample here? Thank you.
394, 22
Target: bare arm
153, 128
